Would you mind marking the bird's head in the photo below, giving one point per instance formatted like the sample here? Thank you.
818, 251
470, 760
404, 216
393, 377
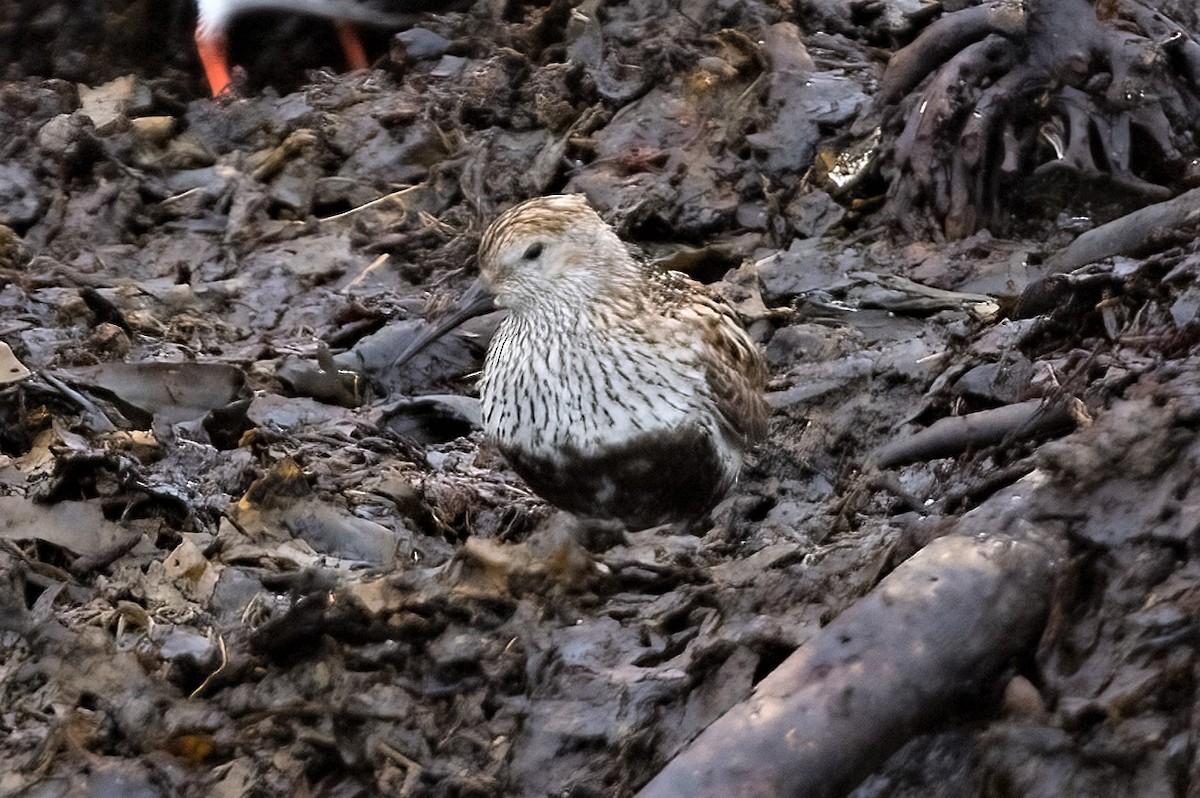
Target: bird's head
551, 248
546, 255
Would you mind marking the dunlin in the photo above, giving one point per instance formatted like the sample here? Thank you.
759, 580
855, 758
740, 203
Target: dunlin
617, 391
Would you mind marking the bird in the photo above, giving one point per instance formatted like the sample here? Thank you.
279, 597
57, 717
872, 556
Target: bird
618, 391
214, 17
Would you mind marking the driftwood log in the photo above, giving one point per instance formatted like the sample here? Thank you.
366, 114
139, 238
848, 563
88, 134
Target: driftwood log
951, 436
1142, 230
1154, 227
936, 632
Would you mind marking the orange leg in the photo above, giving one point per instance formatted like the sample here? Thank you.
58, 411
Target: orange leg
214, 55
352, 46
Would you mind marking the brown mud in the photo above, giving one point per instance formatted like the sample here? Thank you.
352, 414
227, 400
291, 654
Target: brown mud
240, 556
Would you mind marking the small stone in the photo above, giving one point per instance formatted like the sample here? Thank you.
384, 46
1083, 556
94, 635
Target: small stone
419, 43
1022, 699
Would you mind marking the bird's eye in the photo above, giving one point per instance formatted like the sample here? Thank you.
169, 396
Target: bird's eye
534, 252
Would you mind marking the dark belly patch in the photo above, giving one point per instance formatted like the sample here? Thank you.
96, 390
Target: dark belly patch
653, 479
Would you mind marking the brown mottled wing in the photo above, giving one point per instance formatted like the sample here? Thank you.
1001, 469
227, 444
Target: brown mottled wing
734, 367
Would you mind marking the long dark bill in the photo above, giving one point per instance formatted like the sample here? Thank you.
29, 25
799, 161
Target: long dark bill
477, 301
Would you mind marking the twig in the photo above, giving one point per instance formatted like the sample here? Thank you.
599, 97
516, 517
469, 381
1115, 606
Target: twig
99, 419
375, 264
97, 560
208, 679
372, 203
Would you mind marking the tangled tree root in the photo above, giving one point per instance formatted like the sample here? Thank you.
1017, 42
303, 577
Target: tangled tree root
1016, 106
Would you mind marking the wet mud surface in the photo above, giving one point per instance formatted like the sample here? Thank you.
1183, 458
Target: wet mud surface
240, 555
